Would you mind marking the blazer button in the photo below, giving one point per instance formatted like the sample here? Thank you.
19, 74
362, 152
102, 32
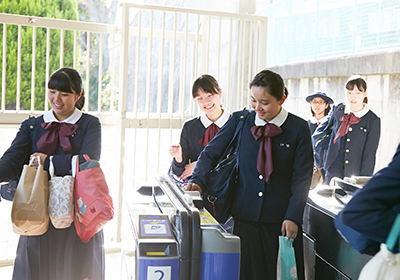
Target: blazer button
260, 194
346, 162
31, 127
348, 140
347, 150
350, 129
260, 177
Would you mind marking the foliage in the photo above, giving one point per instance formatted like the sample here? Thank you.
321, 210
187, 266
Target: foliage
58, 9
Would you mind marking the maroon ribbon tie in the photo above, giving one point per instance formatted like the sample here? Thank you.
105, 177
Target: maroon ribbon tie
264, 157
56, 131
209, 134
347, 121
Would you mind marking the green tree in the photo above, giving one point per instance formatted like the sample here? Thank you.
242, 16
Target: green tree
58, 9
97, 11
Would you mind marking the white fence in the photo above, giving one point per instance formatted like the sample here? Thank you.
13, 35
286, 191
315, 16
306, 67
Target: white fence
137, 78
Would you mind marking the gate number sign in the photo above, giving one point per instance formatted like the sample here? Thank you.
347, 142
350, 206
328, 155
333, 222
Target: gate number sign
159, 273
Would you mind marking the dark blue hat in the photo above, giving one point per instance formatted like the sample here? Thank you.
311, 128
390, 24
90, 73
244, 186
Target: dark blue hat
320, 94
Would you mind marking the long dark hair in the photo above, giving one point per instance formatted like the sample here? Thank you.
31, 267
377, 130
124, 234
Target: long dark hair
207, 83
68, 80
271, 80
359, 82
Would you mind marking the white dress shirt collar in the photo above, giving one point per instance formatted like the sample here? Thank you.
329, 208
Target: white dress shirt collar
314, 120
278, 120
75, 116
358, 114
220, 122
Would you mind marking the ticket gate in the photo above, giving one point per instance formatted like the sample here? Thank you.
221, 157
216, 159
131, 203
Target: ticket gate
168, 235
333, 258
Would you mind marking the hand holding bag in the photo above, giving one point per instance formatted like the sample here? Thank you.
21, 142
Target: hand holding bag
29, 214
286, 264
385, 265
222, 179
61, 197
93, 203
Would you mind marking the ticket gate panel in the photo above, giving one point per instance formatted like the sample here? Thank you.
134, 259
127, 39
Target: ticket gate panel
173, 239
154, 269
220, 255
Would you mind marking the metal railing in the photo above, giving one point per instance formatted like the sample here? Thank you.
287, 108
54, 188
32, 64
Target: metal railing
142, 93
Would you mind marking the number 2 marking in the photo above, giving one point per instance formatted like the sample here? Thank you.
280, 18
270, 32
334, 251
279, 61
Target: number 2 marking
161, 272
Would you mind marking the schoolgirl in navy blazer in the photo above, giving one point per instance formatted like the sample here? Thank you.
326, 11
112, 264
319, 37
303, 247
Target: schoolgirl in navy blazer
265, 206
197, 132
354, 152
59, 253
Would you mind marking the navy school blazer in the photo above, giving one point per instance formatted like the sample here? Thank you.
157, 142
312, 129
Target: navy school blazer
85, 140
192, 131
254, 200
373, 209
361, 142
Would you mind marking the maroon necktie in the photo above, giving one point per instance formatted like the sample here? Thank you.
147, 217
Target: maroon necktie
264, 158
209, 134
55, 131
347, 120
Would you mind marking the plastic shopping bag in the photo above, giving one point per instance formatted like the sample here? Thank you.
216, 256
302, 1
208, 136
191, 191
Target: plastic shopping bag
286, 265
385, 265
61, 198
29, 214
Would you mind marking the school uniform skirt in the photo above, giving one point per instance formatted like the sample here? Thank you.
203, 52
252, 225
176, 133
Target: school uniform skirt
59, 254
259, 250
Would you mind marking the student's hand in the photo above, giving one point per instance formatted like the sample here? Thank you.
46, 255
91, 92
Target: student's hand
188, 170
35, 162
193, 187
176, 152
289, 229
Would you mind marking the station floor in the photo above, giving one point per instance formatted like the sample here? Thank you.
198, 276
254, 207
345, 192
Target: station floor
113, 268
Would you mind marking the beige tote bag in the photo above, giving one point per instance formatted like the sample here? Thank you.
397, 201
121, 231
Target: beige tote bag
30, 214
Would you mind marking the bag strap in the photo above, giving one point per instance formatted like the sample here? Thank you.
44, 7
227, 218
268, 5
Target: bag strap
51, 166
238, 132
75, 165
239, 126
394, 234
86, 157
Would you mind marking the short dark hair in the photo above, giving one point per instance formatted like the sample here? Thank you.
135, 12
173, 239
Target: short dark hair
271, 80
68, 80
207, 83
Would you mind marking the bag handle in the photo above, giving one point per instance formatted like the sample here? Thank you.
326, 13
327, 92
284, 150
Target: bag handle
33, 158
394, 234
75, 165
51, 166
